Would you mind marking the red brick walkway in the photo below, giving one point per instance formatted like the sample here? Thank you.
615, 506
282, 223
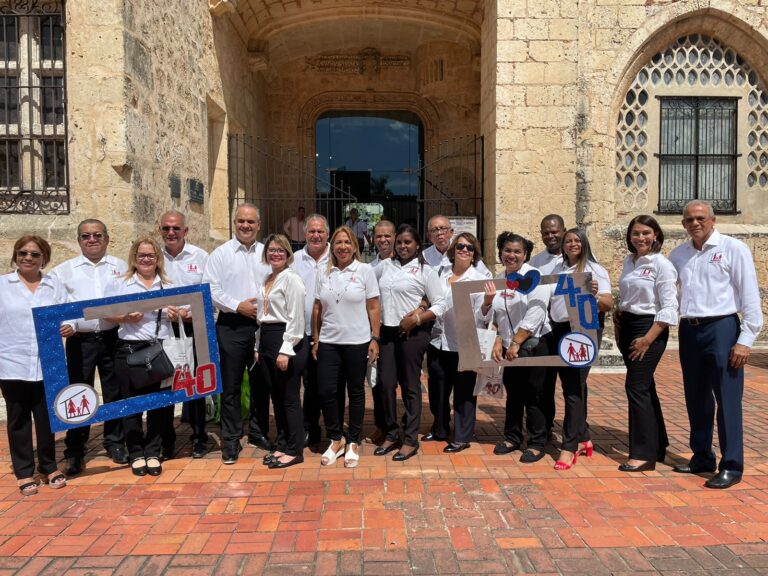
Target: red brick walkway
434, 514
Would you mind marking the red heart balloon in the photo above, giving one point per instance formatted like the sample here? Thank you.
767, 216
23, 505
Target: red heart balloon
512, 284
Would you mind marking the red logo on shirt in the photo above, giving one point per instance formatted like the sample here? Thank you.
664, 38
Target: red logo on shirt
192, 268
645, 272
716, 257
353, 279
115, 272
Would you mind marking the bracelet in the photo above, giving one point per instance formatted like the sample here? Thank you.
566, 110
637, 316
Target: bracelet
375, 338
418, 320
515, 343
423, 308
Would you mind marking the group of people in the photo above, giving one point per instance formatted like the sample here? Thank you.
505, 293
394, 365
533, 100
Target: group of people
323, 319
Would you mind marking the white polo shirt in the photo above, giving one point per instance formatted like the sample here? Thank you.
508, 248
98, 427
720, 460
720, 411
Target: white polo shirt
557, 309
545, 262
144, 329
441, 263
235, 273
648, 285
308, 268
343, 295
403, 286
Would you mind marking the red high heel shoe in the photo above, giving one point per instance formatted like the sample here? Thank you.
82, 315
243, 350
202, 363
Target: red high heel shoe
586, 448
560, 465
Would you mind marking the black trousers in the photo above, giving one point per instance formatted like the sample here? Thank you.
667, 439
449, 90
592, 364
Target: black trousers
400, 360
285, 387
138, 443
193, 411
24, 401
548, 397
462, 384
87, 351
647, 432
574, 382
237, 335
708, 378
439, 400
311, 402
340, 368
526, 394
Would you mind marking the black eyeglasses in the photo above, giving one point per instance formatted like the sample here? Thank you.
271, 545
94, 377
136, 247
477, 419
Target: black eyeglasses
25, 253
169, 228
94, 235
699, 219
467, 247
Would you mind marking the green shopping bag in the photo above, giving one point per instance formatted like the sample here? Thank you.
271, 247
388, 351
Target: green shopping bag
213, 410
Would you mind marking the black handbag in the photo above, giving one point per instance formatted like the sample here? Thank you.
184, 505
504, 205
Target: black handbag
150, 364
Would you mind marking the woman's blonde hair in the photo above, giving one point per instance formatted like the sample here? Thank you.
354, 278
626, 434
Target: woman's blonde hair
352, 238
159, 263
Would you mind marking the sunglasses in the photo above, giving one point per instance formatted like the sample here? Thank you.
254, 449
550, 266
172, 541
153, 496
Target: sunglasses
94, 235
25, 253
467, 247
169, 228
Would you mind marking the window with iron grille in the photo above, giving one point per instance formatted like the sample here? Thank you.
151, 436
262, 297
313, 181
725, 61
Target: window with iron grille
33, 144
697, 153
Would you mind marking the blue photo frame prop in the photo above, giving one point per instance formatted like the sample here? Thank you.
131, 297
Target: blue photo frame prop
54, 365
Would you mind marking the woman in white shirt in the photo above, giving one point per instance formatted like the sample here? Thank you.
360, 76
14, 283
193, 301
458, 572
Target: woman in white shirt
21, 378
283, 349
145, 273
345, 324
523, 331
405, 281
463, 253
577, 257
647, 307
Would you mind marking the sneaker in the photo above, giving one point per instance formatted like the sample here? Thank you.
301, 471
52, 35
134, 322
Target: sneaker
230, 452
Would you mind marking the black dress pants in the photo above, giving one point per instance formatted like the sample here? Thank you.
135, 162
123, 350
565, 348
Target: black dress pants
139, 444
24, 401
526, 394
400, 360
439, 399
462, 384
647, 432
285, 387
87, 351
237, 336
340, 368
311, 402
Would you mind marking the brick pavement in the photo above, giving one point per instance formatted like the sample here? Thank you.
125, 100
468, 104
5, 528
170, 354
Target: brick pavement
435, 514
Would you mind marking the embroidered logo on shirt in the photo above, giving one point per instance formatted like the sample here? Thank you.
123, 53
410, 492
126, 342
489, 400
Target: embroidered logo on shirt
646, 272
115, 272
192, 268
717, 257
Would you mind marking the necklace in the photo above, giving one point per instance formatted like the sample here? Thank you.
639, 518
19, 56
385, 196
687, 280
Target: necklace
338, 295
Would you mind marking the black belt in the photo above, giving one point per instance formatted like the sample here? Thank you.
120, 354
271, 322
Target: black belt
707, 320
95, 335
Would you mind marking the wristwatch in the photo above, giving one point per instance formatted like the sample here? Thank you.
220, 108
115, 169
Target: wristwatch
375, 339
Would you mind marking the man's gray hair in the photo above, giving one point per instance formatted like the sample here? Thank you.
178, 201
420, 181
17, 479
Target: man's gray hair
435, 217
320, 217
384, 223
249, 205
174, 213
707, 205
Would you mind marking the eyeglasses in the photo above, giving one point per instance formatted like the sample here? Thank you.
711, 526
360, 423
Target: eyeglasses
467, 247
169, 228
699, 219
25, 253
440, 229
94, 235
146, 257
276, 251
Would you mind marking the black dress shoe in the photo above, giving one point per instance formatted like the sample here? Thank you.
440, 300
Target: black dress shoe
429, 437
260, 442
532, 455
454, 447
724, 479
692, 468
505, 447
154, 468
387, 447
167, 453
644, 467
117, 454
75, 465
230, 452
277, 464
199, 449
403, 456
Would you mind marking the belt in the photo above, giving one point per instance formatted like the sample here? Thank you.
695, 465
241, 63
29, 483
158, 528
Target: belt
707, 320
94, 334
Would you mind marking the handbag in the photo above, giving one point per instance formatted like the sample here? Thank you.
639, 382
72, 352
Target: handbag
150, 364
180, 352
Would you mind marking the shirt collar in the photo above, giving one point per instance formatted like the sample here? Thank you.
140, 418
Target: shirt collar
324, 258
135, 280
240, 246
184, 250
351, 268
45, 280
83, 261
714, 238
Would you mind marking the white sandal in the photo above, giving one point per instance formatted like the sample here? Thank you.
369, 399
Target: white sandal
330, 456
352, 456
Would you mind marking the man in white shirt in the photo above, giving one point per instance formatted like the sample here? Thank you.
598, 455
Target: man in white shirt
359, 227
294, 228
441, 234
93, 344
717, 280
235, 271
552, 230
184, 265
307, 262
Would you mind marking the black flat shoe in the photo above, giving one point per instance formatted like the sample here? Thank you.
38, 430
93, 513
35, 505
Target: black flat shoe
723, 480
403, 456
268, 459
75, 465
452, 448
154, 468
277, 464
692, 468
429, 437
139, 467
645, 467
531, 455
505, 447
386, 448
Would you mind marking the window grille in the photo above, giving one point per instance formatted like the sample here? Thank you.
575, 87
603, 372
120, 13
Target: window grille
34, 175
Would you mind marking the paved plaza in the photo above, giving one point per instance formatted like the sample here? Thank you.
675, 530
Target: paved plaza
470, 513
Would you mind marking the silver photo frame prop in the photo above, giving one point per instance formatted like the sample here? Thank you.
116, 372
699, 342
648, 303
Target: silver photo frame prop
72, 404
577, 349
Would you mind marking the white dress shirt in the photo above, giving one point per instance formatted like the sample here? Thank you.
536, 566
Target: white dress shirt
648, 285
402, 287
558, 310
187, 267
444, 331
19, 356
343, 295
284, 304
308, 268
85, 280
545, 262
442, 264
235, 273
144, 329
718, 280
512, 311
